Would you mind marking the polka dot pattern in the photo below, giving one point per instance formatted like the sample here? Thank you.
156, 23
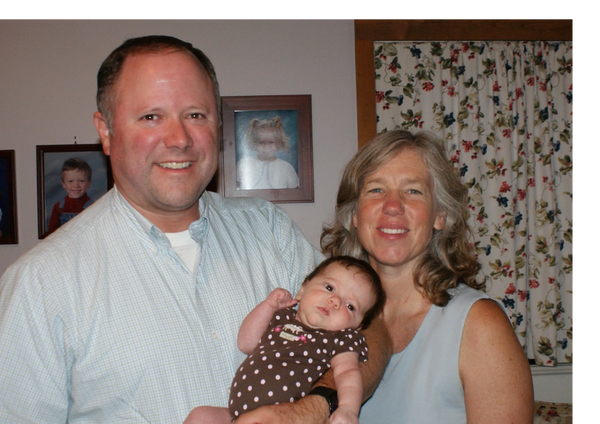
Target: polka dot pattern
283, 370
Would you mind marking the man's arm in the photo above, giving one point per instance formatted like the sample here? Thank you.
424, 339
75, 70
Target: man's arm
314, 409
257, 321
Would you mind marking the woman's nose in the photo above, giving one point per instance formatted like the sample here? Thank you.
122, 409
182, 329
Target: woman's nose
394, 205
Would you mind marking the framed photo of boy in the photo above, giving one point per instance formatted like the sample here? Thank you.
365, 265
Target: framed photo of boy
8, 198
70, 177
267, 148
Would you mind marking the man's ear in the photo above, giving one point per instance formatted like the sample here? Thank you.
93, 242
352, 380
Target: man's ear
103, 131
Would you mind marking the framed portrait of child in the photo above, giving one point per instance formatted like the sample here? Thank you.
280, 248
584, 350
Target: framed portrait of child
267, 148
71, 177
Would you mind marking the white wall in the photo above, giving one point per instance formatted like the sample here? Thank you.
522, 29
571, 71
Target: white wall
48, 84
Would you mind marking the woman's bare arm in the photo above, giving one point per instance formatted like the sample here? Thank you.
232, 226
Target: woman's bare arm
493, 368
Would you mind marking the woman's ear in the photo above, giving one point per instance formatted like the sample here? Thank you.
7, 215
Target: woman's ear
440, 221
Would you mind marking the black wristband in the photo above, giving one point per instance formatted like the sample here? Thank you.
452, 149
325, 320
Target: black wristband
330, 396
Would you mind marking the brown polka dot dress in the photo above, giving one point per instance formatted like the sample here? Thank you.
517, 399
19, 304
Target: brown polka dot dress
289, 358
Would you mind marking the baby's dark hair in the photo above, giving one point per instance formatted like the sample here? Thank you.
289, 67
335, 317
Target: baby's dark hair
363, 268
77, 164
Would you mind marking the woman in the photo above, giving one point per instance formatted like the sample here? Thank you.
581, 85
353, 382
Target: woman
456, 358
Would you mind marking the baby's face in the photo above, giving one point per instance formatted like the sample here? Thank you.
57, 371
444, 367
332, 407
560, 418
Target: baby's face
335, 299
75, 183
266, 144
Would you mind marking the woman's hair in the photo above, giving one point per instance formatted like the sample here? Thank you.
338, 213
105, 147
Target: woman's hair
449, 259
275, 125
364, 269
111, 68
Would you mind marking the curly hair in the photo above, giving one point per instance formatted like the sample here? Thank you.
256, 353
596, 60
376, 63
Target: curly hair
449, 259
275, 125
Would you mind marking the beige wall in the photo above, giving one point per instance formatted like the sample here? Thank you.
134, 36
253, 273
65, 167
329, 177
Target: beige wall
48, 81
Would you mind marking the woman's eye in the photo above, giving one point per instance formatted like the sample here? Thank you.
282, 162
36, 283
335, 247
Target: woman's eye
350, 308
414, 191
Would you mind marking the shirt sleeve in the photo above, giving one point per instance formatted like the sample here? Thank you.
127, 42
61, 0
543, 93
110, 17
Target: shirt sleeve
299, 256
350, 341
32, 349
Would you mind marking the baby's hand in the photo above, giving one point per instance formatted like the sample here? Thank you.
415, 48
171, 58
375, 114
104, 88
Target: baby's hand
280, 298
344, 416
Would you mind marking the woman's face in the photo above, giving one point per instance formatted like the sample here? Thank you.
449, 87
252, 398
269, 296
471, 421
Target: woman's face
395, 214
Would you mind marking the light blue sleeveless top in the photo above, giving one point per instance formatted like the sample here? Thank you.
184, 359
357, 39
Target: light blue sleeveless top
421, 384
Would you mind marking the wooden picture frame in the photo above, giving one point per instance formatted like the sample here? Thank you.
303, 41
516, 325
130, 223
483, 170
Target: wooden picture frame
50, 160
8, 199
242, 172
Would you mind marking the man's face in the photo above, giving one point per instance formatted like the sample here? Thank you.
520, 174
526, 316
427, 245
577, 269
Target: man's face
164, 144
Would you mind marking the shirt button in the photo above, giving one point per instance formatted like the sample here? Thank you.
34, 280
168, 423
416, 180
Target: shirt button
214, 336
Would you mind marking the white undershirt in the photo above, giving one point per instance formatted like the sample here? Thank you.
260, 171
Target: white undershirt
186, 248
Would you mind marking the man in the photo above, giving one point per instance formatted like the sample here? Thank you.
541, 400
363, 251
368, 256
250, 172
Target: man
130, 311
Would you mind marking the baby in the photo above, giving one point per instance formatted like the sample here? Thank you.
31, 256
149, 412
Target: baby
76, 178
265, 170
289, 350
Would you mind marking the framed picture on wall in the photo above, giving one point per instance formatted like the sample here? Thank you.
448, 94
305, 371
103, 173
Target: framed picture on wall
267, 148
70, 177
8, 198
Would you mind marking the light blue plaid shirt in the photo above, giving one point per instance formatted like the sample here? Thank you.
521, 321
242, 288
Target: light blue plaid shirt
103, 322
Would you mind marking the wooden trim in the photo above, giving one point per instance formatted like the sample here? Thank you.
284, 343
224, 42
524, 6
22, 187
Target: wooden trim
368, 31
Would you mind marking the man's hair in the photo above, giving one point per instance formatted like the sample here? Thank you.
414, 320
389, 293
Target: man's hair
111, 68
76, 164
366, 270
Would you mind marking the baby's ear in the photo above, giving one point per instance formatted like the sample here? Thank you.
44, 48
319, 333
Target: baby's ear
300, 293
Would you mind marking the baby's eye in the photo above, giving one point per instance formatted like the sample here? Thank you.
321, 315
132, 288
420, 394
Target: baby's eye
351, 307
328, 287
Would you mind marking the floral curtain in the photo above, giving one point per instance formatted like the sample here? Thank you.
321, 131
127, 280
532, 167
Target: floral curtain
504, 111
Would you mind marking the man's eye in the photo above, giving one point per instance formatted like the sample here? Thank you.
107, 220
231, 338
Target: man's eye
149, 117
328, 287
350, 308
196, 115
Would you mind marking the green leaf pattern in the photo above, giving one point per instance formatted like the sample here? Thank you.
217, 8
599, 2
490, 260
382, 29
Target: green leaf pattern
504, 111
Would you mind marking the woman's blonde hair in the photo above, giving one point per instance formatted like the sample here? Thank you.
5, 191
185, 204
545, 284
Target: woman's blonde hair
449, 259
275, 125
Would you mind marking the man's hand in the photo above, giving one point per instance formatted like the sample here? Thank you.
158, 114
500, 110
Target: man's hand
308, 410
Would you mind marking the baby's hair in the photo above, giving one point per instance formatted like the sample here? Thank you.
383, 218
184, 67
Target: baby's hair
364, 269
77, 164
274, 124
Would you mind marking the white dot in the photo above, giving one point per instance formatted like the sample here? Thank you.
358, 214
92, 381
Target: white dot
292, 372
239, 394
291, 353
270, 394
284, 364
285, 388
305, 353
309, 379
245, 407
297, 384
256, 371
264, 358
305, 370
270, 366
256, 399
243, 377
291, 399
277, 377
277, 355
324, 340
249, 388
262, 381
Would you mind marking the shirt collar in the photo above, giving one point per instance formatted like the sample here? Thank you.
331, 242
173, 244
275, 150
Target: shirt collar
197, 228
